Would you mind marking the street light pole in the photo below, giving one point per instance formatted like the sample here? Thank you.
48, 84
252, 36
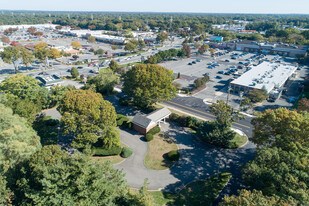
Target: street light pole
241, 94
228, 94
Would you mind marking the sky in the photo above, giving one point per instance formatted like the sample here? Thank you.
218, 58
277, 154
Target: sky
196, 6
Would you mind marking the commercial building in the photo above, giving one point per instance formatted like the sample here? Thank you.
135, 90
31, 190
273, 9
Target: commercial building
265, 48
267, 75
143, 124
26, 26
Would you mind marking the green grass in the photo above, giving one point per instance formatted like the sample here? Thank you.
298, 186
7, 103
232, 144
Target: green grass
196, 193
239, 140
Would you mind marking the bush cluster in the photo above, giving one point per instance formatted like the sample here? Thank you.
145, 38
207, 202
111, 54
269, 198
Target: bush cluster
149, 137
123, 121
126, 152
101, 151
184, 121
154, 130
199, 82
173, 155
125, 101
165, 55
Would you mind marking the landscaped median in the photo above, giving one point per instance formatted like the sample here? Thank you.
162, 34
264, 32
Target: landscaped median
202, 192
162, 151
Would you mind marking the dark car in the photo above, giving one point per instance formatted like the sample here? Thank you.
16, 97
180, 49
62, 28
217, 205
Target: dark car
240, 63
194, 62
79, 67
227, 60
220, 72
227, 73
189, 63
218, 77
210, 67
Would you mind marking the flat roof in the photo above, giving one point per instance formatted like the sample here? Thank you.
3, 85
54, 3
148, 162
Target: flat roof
266, 74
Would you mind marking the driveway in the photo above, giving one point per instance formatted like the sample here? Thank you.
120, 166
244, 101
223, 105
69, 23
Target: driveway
197, 161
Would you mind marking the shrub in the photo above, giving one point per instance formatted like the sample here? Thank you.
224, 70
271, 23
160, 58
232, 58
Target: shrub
123, 121
154, 130
124, 101
148, 137
173, 155
101, 151
126, 152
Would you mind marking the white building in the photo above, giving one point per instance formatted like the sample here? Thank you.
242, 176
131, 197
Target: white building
26, 26
266, 75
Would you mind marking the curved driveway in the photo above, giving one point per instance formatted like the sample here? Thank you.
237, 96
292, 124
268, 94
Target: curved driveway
197, 161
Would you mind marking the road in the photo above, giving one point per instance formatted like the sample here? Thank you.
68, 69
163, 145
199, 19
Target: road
197, 107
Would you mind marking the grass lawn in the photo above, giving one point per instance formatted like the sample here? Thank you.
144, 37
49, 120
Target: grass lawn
239, 140
196, 193
158, 147
114, 159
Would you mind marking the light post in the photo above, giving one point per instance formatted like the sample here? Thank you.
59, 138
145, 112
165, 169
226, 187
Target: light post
241, 94
228, 94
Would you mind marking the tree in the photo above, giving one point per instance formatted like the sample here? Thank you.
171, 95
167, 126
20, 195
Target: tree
130, 47
224, 113
26, 56
199, 82
141, 44
43, 53
55, 53
257, 95
39, 46
278, 172
18, 140
280, 128
91, 39
86, 116
205, 47
201, 50
212, 51
99, 52
5, 192
10, 55
5, 40
57, 93
187, 49
162, 37
76, 45
113, 65
74, 72
303, 105
104, 82
248, 198
148, 84
114, 47
53, 177
22, 107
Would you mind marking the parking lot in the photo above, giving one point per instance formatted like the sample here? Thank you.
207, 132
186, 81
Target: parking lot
222, 70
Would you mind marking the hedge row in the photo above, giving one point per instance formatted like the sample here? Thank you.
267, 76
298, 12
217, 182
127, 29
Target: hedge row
101, 151
186, 121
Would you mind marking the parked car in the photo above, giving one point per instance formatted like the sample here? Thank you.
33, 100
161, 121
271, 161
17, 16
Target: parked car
194, 62
79, 67
220, 72
227, 60
189, 63
218, 77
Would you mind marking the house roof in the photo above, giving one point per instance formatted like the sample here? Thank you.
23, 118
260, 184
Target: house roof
142, 121
154, 117
159, 114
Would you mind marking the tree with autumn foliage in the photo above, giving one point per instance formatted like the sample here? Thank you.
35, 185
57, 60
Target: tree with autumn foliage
280, 127
87, 116
303, 105
148, 84
76, 45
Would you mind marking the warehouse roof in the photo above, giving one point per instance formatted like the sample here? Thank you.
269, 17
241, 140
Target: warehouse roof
267, 75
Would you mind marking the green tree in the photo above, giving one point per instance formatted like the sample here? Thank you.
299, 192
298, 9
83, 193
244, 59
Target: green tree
74, 72
205, 47
86, 116
257, 95
148, 84
281, 128
113, 65
114, 47
224, 113
10, 55
57, 93
141, 44
162, 37
25, 87
22, 107
248, 198
18, 140
130, 47
53, 177
212, 51
26, 56
104, 82
43, 53
99, 52
91, 39
278, 172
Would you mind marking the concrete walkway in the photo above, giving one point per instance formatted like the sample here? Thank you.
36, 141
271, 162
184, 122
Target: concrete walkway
197, 161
